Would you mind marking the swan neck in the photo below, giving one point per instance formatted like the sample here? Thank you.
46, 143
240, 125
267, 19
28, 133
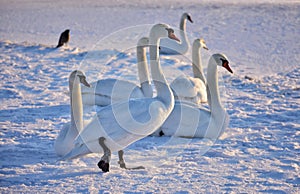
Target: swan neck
213, 88
163, 90
219, 118
197, 63
182, 24
182, 27
76, 105
143, 71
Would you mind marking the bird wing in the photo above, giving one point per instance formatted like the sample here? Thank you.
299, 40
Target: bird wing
121, 124
189, 89
186, 120
114, 89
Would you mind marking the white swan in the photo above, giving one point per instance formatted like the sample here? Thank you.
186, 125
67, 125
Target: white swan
64, 141
188, 88
170, 47
104, 92
190, 120
118, 125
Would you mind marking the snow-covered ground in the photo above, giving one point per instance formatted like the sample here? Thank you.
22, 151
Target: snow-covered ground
259, 151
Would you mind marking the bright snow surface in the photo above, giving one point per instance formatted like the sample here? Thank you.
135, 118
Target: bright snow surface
260, 149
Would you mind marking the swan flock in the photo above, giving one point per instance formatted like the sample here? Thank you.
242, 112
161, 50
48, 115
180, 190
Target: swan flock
139, 110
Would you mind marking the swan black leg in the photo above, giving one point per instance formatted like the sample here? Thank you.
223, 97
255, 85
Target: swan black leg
121, 159
103, 164
122, 162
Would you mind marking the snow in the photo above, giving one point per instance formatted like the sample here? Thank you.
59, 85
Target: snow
259, 151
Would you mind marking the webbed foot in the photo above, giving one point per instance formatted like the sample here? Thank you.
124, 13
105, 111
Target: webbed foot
122, 164
104, 166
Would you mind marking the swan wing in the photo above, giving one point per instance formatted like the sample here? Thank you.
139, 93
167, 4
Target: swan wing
107, 91
189, 89
200, 87
121, 124
61, 144
186, 120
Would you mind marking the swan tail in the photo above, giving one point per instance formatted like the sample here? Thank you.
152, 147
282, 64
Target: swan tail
77, 152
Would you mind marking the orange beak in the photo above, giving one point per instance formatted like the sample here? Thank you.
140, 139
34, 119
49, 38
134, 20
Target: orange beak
226, 66
173, 36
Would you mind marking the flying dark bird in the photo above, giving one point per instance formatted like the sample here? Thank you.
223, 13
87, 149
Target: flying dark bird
64, 38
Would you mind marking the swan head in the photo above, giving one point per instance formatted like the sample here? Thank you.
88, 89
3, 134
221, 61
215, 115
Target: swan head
172, 35
162, 31
187, 16
78, 75
200, 43
221, 60
143, 42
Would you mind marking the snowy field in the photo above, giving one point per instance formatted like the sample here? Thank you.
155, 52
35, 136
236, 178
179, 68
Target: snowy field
259, 151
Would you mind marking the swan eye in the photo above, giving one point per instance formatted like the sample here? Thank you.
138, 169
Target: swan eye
189, 18
224, 61
170, 30
83, 80
225, 64
81, 77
